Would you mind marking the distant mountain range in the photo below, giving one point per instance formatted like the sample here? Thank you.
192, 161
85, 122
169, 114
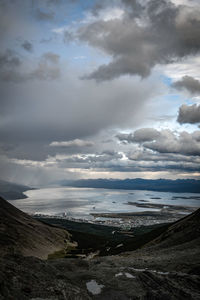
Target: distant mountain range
160, 185
11, 191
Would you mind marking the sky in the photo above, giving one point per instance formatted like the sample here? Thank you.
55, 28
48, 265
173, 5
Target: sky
99, 89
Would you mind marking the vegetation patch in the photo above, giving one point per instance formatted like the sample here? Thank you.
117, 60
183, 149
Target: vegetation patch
104, 239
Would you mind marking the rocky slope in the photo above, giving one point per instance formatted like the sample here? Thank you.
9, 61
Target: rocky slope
21, 234
167, 268
184, 231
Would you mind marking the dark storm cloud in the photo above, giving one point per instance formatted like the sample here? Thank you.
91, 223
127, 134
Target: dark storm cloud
189, 114
112, 161
67, 37
44, 72
42, 15
146, 155
97, 7
147, 162
9, 59
39, 112
27, 46
188, 83
12, 71
9, 65
91, 161
157, 33
81, 160
158, 167
55, 2
42, 112
166, 141
52, 57
48, 68
139, 136
46, 41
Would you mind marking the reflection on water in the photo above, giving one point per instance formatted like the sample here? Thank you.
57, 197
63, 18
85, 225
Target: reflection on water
80, 202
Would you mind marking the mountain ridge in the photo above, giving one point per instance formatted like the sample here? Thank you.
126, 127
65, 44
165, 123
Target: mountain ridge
11, 191
160, 185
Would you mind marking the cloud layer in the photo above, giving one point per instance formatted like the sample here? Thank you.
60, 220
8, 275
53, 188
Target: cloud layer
157, 32
189, 114
12, 69
73, 143
188, 83
139, 117
166, 141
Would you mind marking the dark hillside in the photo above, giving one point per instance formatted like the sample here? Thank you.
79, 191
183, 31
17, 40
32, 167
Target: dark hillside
185, 230
12, 191
19, 233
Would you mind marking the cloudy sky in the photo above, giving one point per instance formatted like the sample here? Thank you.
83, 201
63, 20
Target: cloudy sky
99, 89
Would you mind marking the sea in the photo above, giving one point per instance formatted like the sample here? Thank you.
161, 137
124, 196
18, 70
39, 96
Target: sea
80, 203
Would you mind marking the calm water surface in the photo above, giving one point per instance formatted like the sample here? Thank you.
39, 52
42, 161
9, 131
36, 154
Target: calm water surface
80, 202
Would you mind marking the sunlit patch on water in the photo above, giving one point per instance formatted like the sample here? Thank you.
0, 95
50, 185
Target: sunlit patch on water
80, 203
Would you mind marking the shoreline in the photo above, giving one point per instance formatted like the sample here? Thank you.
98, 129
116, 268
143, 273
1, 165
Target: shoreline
126, 220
